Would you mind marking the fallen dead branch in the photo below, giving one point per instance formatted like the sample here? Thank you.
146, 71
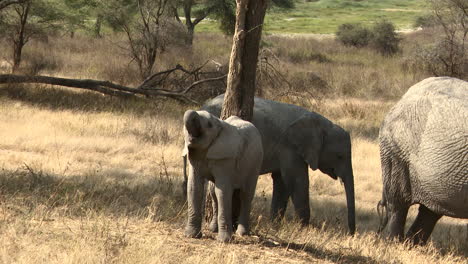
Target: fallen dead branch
149, 87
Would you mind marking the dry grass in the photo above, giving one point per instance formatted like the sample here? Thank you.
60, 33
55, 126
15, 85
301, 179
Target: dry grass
86, 178
103, 185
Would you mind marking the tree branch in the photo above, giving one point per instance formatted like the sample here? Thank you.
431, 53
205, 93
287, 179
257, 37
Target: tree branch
5, 3
109, 88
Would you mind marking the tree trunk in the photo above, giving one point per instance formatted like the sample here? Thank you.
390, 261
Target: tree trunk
20, 39
240, 91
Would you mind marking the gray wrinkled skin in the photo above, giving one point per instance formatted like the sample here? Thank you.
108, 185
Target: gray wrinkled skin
227, 153
424, 156
292, 139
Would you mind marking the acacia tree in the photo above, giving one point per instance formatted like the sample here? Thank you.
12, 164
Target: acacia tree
449, 55
240, 91
148, 28
223, 11
27, 19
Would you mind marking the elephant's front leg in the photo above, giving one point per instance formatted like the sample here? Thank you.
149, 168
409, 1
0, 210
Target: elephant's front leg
224, 191
281, 194
195, 195
294, 173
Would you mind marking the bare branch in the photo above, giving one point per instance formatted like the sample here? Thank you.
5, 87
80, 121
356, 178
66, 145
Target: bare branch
147, 89
5, 3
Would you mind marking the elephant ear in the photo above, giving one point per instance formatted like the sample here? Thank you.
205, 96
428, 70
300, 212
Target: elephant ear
227, 144
306, 136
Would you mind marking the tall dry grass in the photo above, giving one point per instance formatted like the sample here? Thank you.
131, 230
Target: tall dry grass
86, 178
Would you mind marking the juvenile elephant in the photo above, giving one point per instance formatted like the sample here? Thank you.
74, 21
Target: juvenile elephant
292, 139
424, 156
229, 154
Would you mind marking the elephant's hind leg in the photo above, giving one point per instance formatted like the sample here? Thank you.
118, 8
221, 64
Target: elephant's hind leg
397, 220
397, 193
423, 226
246, 198
280, 197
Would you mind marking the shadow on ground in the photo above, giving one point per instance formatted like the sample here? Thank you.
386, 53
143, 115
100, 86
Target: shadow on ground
26, 191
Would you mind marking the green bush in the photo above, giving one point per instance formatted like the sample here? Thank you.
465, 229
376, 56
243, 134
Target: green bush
425, 21
353, 34
384, 38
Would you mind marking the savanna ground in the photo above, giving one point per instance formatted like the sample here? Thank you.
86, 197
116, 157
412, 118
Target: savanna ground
87, 178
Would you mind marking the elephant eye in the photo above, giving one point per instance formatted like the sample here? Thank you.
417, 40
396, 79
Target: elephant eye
209, 124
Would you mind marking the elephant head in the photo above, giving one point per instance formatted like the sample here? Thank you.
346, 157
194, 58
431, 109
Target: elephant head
205, 132
327, 147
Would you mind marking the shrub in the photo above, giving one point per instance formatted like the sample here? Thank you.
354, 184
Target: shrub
353, 34
426, 21
443, 58
384, 38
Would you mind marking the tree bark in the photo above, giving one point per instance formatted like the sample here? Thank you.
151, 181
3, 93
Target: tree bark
240, 91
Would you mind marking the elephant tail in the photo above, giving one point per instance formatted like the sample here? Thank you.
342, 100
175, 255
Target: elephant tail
382, 211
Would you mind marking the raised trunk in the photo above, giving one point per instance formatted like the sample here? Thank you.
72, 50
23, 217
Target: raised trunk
192, 123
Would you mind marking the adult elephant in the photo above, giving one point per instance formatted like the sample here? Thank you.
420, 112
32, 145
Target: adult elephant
424, 156
293, 139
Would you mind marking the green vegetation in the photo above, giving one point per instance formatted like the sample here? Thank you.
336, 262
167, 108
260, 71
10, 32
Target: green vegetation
324, 16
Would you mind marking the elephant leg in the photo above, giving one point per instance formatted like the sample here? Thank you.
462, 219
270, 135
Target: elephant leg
422, 227
195, 195
214, 202
236, 207
246, 197
297, 181
280, 197
224, 192
300, 198
397, 220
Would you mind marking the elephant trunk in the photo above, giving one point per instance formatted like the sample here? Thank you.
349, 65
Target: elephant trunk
192, 123
348, 180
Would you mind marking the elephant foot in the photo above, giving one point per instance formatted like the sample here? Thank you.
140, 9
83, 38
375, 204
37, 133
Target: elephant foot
213, 227
242, 230
224, 237
192, 232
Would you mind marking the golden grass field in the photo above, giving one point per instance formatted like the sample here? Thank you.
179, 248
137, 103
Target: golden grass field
86, 178
101, 186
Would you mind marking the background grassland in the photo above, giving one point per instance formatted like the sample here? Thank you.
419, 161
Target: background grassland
324, 16
86, 178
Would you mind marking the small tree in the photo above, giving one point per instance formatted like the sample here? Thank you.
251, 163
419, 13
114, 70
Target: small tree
384, 38
222, 10
23, 21
450, 52
148, 28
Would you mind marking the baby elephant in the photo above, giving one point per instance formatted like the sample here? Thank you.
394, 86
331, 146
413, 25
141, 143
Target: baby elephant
228, 153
